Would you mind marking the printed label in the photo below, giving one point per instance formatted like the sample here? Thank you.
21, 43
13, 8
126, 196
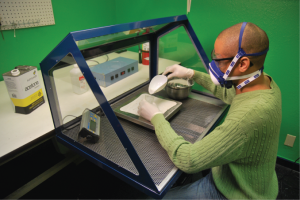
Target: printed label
25, 91
28, 100
146, 46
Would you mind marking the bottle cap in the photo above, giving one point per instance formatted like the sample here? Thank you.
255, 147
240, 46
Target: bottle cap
15, 72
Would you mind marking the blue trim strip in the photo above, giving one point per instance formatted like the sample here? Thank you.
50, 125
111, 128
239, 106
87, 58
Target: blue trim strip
241, 51
66, 46
96, 32
241, 34
153, 62
258, 54
197, 44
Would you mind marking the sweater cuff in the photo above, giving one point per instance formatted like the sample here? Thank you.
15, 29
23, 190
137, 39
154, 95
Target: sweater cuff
157, 119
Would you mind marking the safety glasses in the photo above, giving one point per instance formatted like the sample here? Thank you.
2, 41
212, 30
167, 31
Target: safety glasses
214, 57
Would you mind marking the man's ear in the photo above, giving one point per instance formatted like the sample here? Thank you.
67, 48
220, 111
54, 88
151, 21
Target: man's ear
244, 64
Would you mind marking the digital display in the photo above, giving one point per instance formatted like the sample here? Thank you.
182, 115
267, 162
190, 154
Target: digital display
92, 126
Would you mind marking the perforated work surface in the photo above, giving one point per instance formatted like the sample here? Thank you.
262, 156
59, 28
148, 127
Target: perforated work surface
190, 122
194, 118
108, 146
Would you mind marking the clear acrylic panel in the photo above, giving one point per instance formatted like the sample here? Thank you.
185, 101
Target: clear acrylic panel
105, 39
79, 108
177, 46
116, 73
72, 98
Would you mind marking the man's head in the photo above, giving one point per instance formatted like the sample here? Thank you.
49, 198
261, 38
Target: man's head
254, 40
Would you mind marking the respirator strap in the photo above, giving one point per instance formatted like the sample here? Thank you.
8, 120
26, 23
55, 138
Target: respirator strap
235, 59
243, 77
249, 80
224, 79
241, 53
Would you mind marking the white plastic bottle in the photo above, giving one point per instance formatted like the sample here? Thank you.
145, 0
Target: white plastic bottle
79, 83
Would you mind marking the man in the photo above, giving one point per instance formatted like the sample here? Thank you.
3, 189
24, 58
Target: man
242, 151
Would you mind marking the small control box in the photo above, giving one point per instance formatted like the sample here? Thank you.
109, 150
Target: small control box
90, 126
114, 70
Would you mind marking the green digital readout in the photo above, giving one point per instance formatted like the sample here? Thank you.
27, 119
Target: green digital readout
92, 126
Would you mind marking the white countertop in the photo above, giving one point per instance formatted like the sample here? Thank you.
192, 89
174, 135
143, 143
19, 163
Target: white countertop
19, 129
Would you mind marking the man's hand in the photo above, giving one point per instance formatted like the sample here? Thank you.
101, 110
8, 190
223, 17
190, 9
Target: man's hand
179, 72
147, 110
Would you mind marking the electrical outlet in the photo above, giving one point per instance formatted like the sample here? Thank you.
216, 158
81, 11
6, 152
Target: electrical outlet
289, 141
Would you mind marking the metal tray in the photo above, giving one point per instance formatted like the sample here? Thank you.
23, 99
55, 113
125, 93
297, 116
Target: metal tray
139, 120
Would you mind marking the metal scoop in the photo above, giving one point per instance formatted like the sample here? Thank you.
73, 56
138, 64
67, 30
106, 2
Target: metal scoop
157, 84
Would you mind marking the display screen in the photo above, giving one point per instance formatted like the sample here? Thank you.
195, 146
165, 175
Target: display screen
92, 126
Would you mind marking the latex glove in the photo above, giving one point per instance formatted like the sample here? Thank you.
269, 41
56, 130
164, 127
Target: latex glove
179, 72
147, 110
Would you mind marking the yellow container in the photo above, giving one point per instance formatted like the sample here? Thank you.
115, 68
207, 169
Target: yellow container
24, 89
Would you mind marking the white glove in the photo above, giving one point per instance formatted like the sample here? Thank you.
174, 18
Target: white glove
147, 110
179, 72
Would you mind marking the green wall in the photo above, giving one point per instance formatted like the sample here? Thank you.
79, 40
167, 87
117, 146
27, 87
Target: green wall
279, 18
32, 45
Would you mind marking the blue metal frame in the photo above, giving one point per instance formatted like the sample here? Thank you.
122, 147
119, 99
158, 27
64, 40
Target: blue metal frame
197, 44
143, 181
96, 32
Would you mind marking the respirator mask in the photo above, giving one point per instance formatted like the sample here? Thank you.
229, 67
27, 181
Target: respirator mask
219, 78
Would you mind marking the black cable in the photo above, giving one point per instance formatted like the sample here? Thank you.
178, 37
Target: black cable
68, 116
71, 126
94, 61
107, 58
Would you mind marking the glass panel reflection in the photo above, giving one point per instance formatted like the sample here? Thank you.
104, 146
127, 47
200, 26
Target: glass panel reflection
177, 46
105, 39
82, 118
116, 73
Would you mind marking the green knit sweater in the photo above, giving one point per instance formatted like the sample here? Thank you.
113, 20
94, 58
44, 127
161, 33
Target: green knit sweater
241, 151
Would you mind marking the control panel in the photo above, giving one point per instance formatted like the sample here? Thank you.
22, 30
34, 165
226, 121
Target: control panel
90, 126
114, 70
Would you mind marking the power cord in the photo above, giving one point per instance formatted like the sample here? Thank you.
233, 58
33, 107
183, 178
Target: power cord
94, 61
73, 125
107, 58
99, 112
